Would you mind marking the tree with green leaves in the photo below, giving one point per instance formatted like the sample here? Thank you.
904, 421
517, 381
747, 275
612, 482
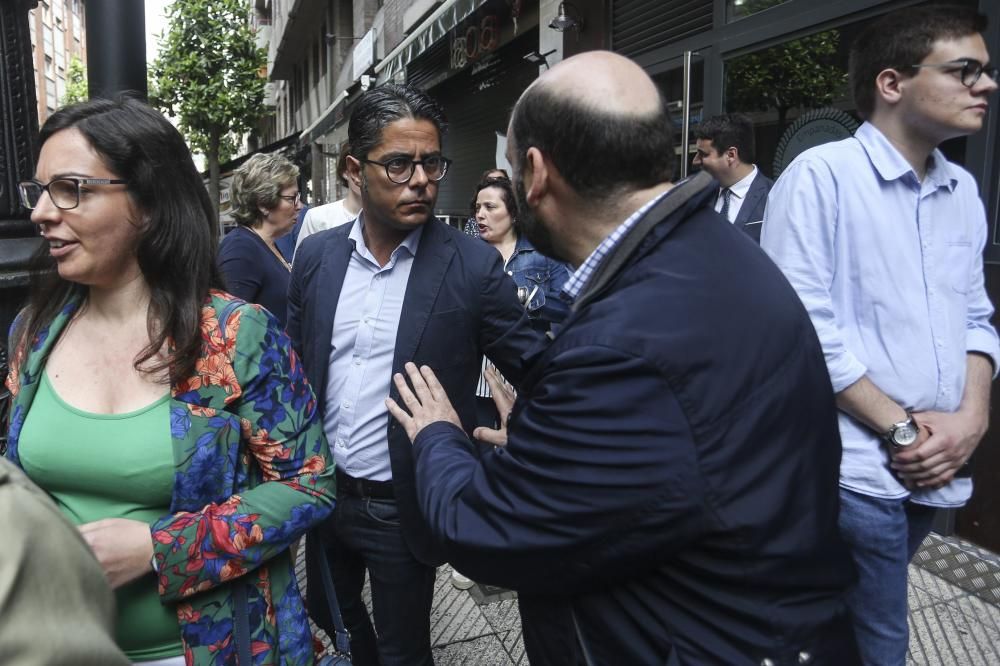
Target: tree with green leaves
801, 73
208, 76
76, 82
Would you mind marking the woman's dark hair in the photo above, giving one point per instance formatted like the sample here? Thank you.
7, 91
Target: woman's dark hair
506, 194
177, 236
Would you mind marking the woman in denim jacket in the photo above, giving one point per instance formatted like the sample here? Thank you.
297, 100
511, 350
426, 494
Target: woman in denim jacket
539, 279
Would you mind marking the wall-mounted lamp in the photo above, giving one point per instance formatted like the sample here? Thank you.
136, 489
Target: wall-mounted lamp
568, 18
536, 58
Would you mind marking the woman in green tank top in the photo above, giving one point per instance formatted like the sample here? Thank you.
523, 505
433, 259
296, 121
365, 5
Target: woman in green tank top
169, 420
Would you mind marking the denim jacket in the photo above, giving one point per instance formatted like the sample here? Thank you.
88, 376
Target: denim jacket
530, 269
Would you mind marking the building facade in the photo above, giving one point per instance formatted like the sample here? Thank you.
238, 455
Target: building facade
58, 36
469, 53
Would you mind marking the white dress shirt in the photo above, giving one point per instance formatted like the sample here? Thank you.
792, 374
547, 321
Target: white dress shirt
323, 217
739, 190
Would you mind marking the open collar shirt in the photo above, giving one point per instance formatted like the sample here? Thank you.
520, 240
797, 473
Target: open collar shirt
739, 189
363, 347
890, 269
578, 280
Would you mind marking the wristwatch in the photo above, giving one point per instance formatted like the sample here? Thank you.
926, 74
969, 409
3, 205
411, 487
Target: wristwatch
903, 433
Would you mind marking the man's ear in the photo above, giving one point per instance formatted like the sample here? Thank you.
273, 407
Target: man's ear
535, 175
353, 172
732, 154
889, 85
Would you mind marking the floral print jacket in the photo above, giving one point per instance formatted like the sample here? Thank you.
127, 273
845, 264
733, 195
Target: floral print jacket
252, 474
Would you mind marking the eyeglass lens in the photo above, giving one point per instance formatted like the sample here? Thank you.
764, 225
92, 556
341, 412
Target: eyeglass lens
972, 70
64, 192
400, 169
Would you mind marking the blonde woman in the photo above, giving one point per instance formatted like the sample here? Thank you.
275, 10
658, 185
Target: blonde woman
266, 204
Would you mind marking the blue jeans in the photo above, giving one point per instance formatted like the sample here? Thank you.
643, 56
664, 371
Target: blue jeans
364, 534
883, 536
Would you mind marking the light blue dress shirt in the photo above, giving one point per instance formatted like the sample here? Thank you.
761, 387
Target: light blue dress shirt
891, 272
356, 420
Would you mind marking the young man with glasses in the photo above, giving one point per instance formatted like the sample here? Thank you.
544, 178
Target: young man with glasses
882, 238
394, 285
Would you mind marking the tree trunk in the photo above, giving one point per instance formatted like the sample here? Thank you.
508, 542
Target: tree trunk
212, 156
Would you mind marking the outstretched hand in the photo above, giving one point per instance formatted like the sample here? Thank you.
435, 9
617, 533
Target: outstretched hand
426, 403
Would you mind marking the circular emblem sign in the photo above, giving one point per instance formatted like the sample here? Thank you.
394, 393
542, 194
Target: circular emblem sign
812, 128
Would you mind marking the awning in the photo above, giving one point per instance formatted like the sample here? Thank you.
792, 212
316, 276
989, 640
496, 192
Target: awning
434, 27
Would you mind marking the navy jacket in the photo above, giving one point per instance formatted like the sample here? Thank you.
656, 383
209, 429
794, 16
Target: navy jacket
669, 491
252, 272
751, 215
458, 306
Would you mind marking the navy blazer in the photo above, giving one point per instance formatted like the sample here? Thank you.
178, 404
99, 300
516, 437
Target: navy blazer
751, 215
669, 490
458, 306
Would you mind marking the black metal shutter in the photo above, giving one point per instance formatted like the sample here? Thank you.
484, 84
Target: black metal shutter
638, 26
478, 105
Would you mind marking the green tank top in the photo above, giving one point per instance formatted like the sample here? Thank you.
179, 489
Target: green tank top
109, 466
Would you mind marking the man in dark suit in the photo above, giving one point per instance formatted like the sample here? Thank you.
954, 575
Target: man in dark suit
725, 148
396, 284
668, 491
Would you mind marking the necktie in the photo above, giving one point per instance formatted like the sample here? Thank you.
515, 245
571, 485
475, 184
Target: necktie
727, 194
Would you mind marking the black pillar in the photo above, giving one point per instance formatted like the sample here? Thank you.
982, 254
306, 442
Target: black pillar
18, 140
116, 47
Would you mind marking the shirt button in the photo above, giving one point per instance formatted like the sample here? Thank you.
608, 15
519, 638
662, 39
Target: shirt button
357, 361
347, 404
511, 273
340, 443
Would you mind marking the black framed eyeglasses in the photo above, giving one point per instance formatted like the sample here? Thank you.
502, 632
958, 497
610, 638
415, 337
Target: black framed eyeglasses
400, 169
969, 70
63, 192
291, 198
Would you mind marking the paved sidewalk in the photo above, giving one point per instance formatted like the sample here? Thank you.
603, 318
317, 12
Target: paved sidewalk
954, 613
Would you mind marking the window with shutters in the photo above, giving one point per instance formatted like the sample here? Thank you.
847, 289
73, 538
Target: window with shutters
638, 26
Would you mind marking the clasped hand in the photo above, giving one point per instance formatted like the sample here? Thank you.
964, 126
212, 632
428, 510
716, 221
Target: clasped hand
123, 547
945, 443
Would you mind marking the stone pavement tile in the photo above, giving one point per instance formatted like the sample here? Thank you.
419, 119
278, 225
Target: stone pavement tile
482, 651
960, 632
455, 616
927, 589
513, 642
503, 615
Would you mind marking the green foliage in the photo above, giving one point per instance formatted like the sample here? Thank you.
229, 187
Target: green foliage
208, 76
76, 82
798, 74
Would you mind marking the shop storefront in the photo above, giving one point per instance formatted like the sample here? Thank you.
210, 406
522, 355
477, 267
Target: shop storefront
784, 62
476, 72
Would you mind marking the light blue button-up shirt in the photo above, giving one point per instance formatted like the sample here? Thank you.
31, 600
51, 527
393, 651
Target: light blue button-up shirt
356, 420
891, 272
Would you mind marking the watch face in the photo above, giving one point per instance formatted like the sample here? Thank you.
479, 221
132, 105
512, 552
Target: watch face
905, 434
